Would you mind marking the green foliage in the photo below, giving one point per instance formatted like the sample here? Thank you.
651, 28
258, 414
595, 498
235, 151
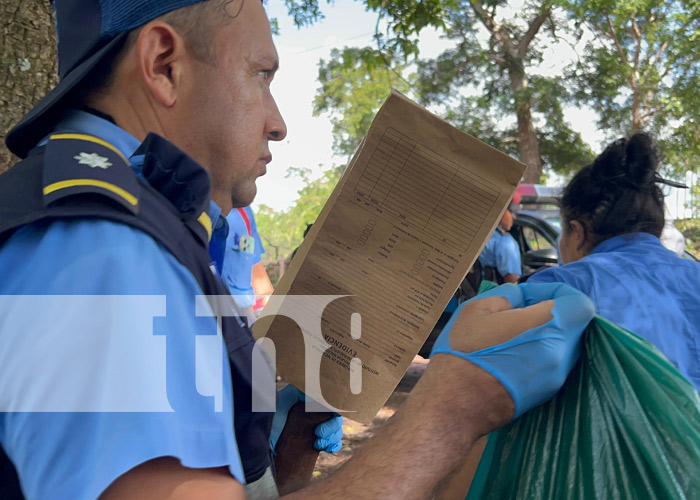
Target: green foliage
304, 12
562, 149
480, 83
486, 80
640, 71
405, 19
282, 231
691, 230
354, 84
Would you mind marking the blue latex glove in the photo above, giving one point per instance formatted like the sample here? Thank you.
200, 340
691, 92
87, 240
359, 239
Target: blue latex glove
329, 434
533, 365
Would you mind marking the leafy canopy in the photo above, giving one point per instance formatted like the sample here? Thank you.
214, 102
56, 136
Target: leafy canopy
640, 70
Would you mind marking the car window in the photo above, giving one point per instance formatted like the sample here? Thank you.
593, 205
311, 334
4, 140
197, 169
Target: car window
535, 240
555, 222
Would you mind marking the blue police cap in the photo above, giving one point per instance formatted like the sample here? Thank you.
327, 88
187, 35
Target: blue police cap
88, 31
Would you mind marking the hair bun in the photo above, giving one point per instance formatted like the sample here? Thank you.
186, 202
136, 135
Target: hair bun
641, 160
627, 163
609, 168
617, 193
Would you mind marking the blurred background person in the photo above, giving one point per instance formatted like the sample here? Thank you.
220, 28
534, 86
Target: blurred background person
500, 259
243, 270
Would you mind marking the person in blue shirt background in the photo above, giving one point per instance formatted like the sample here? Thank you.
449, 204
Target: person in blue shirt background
500, 258
612, 215
243, 269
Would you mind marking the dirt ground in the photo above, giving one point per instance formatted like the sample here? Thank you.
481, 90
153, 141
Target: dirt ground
355, 433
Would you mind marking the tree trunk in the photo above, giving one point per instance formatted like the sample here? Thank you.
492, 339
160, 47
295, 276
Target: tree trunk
27, 62
527, 138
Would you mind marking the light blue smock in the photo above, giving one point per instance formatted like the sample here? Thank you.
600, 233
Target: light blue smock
501, 252
636, 282
117, 306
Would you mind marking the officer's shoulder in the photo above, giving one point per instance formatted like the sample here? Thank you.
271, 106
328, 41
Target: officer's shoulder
84, 164
78, 236
97, 249
505, 238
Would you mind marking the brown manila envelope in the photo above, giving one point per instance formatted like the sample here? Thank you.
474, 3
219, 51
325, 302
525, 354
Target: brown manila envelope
403, 226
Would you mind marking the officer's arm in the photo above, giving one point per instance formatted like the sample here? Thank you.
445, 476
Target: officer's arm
508, 260
511, 278
455, 403
165, 478
262, 286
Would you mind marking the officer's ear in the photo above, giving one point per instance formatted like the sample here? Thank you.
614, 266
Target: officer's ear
162, 56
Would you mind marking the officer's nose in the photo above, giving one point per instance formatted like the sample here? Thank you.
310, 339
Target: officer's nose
276, 129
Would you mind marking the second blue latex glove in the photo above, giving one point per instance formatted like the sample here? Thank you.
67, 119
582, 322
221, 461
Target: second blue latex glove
329, 434
533, 365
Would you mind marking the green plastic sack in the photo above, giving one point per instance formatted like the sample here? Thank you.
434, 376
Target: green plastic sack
626, 425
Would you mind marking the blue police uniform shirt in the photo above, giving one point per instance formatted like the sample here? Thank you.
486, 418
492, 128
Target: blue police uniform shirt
238, 264
84, 398
636, 282
501, 252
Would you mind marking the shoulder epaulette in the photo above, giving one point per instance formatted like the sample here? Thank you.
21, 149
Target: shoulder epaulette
80, 163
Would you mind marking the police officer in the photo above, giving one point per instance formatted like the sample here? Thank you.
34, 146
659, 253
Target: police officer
500, 258
243, 270
114, 383
612, 215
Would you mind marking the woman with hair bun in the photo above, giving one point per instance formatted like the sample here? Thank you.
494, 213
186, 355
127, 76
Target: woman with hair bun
612, 215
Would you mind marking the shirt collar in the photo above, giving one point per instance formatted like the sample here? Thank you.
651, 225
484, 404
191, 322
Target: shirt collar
625, 240
217, 243
83, 122
219, 223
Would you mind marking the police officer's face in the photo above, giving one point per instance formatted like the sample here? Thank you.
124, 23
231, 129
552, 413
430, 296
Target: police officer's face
233, 112
507, 220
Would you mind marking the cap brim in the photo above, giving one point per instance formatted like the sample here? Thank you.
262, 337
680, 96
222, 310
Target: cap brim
42, 117
513, 207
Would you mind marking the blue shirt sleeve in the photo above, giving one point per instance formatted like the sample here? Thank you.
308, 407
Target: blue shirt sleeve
508, 256
107, 361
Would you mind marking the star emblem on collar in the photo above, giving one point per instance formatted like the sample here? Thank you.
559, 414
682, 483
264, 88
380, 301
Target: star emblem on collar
93, 160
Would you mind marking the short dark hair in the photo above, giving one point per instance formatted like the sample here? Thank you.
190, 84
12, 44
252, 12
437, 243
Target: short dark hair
618, 193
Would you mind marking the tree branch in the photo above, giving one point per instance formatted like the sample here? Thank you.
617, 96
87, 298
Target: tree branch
534, 27
498, 60
381, 51
635, 28
637, 35
665, 73
657, 57
649, 110
648, 106
613, 35
659, 54
496, 30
